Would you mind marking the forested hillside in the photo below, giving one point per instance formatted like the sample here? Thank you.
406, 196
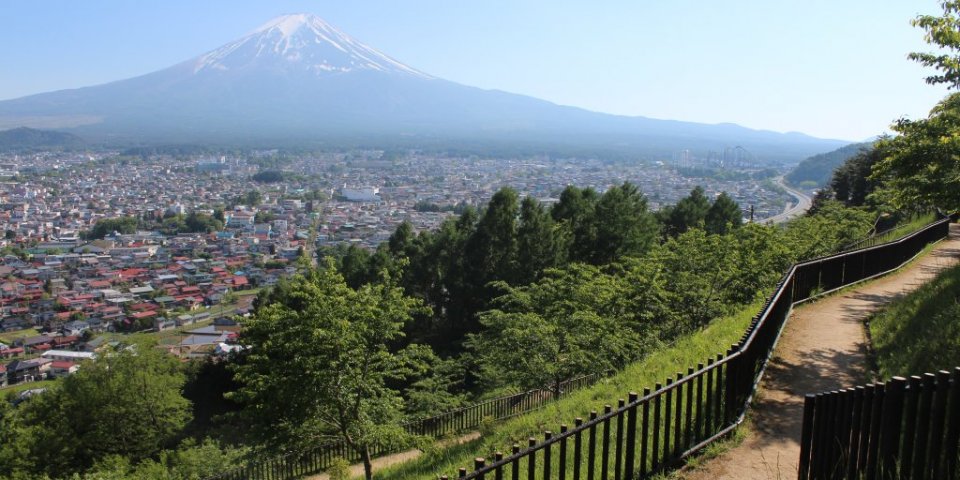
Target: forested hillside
816, 171
27, 138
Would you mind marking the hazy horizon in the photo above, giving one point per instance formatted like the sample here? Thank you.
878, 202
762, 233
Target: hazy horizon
832, 71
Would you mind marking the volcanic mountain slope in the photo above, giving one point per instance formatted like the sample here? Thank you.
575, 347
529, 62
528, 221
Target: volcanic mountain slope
297, 78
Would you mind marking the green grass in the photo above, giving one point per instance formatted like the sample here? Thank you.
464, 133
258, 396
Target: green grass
687, 351
714, 450
9, 337
242, 293
904, 228
14, 389
920, 332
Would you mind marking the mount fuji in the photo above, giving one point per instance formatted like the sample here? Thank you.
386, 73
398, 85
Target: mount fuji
298, 80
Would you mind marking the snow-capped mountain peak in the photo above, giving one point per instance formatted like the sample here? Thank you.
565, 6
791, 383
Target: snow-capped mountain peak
301, 42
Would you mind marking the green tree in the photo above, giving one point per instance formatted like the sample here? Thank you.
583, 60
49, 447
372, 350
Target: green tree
921, 166
264, 217
724, 214
696, 267
401, 241
559, 328
851, 182
107, 226
689, 212
829, 230
202, 223
125, 403
492, 249
944, 32
540, 245
268, 176
623, 225
15, 455
251, 199
489, 255
319, 364
575, 213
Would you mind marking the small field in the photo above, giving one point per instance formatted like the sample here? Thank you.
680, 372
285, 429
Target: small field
14, 389
920, 332
9, 337
688, 351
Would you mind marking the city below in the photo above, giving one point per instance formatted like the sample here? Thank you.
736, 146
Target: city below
265, 210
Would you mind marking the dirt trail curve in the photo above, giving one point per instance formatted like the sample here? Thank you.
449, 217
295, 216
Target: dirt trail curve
823, 347
356, 471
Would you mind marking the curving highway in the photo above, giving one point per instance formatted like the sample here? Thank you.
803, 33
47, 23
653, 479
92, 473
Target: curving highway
803, 203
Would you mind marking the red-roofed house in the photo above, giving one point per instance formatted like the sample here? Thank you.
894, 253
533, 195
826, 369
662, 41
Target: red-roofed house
62, 368
142, 315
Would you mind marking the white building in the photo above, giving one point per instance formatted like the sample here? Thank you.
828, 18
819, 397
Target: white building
67, 355
361, 194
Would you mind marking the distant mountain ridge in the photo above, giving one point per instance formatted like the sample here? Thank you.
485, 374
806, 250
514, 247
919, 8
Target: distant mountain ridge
299, 79
23, 137
819, 168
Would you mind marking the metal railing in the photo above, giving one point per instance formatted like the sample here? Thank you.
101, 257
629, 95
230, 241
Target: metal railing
904, 428
649, 433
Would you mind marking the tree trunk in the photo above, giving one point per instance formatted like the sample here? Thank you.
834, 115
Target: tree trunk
556, 388
367, 464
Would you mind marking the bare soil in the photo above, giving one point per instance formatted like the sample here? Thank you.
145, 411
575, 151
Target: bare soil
823, 347
356, 471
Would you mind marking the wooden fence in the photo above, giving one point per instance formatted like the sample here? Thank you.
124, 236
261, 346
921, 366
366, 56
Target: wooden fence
649, 433
904, 428
320, 457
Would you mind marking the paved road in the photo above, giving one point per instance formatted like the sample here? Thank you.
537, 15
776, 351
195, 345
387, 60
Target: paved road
823, 348
803, 203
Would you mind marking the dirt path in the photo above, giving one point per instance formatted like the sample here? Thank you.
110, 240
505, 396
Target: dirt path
356, 471
823, 347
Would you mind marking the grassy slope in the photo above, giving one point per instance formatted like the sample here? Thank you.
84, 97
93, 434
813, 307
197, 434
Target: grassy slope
920, 332
688, 351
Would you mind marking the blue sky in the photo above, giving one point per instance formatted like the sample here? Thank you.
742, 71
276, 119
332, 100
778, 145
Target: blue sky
832, 68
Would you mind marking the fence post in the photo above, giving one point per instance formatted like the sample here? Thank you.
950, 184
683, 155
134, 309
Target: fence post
605, 445
547, 435
591, 447
577, 448
731, 386
952, 443
532, 457
923, 425
562, 464
631, 435
644, 432
806, 436
677, 419
892, 419
688, 414
873, 452
909, 431
618, 451
937, 425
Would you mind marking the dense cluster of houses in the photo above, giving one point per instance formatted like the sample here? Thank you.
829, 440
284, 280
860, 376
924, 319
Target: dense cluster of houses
130, 282
42, 357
